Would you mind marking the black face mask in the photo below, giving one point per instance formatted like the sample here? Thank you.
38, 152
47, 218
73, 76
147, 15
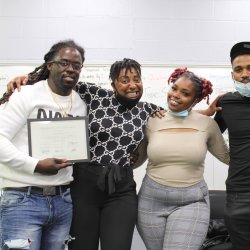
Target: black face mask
126, 102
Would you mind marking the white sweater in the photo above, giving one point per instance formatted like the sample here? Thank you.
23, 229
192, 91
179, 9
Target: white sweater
33, 101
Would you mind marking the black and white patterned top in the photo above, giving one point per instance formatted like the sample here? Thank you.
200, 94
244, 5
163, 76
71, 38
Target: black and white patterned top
115, 131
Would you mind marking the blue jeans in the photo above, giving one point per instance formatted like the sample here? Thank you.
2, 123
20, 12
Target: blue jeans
34, 222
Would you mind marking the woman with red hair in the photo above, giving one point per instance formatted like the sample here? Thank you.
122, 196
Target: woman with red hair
173, 211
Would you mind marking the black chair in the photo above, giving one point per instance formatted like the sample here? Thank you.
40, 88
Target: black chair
217, 229
217, 203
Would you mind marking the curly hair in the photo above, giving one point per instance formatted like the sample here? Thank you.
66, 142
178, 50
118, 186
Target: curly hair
41, 72
203, 87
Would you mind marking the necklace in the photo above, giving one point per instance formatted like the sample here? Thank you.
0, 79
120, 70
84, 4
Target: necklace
64, 111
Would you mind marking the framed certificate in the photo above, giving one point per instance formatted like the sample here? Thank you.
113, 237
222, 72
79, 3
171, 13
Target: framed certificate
64, 138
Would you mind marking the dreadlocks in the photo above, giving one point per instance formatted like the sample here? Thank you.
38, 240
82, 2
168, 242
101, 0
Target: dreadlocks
41, 72
126, 64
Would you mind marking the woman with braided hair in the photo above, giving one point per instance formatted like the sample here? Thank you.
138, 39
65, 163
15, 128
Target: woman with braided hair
173, 208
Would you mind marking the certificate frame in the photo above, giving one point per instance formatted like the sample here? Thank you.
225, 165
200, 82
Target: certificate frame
64, 138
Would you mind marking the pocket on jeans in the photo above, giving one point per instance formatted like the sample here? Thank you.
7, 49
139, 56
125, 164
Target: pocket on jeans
67, 196
12, 198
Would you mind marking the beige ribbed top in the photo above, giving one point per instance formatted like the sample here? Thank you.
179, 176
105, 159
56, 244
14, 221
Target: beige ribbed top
177, 148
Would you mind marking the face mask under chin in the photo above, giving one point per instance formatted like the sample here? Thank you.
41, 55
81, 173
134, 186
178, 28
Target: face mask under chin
126, 102
242, 88
182, 113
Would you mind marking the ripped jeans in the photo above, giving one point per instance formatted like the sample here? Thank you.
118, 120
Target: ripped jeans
34, 222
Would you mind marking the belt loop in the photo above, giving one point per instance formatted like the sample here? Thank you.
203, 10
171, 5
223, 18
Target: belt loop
29, 191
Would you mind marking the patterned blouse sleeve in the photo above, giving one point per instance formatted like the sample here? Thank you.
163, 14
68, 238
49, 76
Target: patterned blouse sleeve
88, 91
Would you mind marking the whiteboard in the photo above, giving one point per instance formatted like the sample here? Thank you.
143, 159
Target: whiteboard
154, 78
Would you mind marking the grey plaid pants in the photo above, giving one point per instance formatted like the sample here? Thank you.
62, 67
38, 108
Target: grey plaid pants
172, 218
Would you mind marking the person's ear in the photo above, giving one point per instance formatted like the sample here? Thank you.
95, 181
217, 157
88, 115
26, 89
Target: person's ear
49, 65
232, 74
196, 101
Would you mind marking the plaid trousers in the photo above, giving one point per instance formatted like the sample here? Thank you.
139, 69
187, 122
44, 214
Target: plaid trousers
173, 218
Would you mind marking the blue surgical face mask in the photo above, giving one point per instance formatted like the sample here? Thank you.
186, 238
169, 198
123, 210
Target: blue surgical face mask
182, 113
242, 88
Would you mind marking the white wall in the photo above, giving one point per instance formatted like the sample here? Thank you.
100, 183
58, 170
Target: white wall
159, 31
168, 32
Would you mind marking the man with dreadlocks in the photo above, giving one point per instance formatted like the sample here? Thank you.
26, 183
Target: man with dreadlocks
173, 209
36, 207
104, 191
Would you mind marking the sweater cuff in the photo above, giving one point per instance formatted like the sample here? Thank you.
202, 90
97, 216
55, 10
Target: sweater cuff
30, 165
